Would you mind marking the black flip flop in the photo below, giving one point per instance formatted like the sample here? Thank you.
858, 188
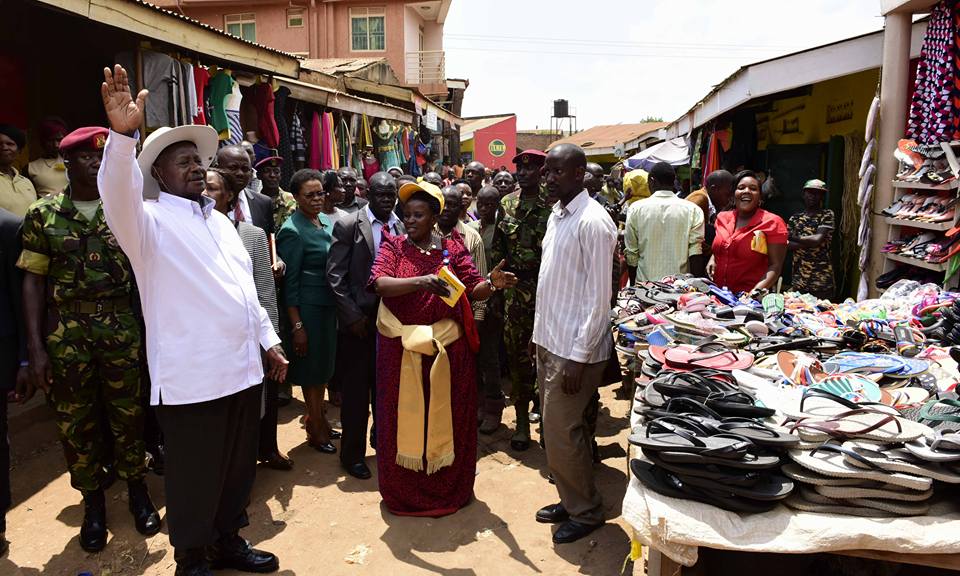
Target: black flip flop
679, 435
664, 483
750, 461
716, 472
770, 486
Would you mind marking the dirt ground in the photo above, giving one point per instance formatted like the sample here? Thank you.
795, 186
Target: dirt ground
320, 521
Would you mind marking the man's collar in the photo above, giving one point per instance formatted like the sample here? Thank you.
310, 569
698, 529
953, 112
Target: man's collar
664, 194
204, 207
373, 217
578, 202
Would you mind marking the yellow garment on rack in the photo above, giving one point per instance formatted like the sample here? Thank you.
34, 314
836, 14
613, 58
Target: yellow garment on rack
366, 137
334, 151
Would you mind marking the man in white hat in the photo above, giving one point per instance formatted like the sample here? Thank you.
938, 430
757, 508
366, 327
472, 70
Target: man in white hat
205, 329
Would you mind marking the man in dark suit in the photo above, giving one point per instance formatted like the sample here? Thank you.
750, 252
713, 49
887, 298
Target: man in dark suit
13, 349
254, 207
356, 241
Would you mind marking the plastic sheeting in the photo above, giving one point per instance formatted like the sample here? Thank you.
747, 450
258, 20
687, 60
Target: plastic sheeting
672, 151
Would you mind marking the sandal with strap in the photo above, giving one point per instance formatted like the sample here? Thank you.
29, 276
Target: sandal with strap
679, 435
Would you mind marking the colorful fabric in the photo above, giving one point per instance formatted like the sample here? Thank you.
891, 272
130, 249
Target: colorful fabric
408, 492
315, 151
298, 144
739, 267
812, 267
221, 86
264, 101
932, 111
200, 79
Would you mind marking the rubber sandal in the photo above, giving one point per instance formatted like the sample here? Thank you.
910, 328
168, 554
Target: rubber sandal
859, 424
816, 402
886, 492
934, 448
829, 460
666, 484
727, 359
716, 472
800, 369
803, 500
770, 487
896, 460
738, 404
749, 461
678, 436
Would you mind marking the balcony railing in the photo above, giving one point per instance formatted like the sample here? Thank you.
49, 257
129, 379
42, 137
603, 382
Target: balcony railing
425, 67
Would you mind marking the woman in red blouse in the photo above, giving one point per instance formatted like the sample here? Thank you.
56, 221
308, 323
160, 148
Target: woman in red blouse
751, 243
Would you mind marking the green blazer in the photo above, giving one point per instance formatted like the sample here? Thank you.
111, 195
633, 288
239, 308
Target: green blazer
304, 249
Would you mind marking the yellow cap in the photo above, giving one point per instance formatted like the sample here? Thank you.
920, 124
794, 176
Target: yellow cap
409, 188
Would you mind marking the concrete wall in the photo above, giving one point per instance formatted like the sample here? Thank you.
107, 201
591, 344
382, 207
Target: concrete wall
271, 23
338, 27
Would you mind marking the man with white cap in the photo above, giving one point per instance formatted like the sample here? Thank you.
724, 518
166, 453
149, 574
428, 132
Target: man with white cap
204, 327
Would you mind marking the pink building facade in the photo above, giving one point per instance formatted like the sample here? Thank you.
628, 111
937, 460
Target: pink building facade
408, 34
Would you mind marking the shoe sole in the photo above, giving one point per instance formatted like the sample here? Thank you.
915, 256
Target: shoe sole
572, 540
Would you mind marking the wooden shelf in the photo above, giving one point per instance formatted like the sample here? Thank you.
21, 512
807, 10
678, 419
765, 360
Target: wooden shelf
942, 267
936, 226
951, 185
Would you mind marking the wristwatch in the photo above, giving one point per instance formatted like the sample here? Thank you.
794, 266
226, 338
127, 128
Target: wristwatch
490, 282
298, 326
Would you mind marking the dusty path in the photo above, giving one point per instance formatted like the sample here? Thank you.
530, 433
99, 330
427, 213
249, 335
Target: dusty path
318, 520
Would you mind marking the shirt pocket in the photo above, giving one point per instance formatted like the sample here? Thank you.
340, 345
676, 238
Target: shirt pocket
66, 254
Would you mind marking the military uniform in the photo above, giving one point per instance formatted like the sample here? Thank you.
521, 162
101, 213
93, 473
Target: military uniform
518, 239
284, 205
92, 337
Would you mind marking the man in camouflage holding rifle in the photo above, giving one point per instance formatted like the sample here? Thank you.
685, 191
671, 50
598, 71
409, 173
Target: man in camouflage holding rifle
83, 338
520, 230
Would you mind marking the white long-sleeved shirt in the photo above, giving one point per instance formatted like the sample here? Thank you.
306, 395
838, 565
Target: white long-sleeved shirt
572, 319
205, 325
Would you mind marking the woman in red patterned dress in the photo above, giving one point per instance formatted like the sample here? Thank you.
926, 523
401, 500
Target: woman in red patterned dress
405, 276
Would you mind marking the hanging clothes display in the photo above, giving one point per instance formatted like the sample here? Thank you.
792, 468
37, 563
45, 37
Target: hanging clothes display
232, 104
200, 79
932, 113
315, 158
388, 149
264, 101
298, 143
370, 165
221, 86
284, 150
344, 143
161, 76
712, 161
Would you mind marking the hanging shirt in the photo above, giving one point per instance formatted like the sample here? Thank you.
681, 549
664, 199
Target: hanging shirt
263, 100
200, 79
161, 76
221, 86
205, 326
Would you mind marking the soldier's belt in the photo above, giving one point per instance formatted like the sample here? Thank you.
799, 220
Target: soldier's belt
120, 304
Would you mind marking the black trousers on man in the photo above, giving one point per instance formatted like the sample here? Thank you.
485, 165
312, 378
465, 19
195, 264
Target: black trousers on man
211, 450
4, 463
357, 393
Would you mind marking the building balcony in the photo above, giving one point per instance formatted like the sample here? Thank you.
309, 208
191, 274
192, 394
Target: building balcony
427, 70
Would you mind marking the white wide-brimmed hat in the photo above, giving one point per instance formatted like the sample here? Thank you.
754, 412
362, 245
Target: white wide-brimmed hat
205, 137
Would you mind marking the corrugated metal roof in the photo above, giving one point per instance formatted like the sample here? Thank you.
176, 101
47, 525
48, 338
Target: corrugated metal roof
471, 125
208, 27
340, 65
607, 136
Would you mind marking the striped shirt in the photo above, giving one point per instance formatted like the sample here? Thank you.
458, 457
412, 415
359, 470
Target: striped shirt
661, 234
255, 241
573, 289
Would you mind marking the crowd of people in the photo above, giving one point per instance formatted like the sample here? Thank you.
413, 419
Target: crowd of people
164, 302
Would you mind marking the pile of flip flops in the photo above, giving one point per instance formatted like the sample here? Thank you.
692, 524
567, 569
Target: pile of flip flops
706, 439
746, 401
864, 458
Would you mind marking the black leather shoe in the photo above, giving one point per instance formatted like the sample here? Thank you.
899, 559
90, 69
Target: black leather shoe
325, 447
552, 514
335, 434
358, 470
236, 553
192, 563
275, 461
93, 531
145, 514
571, 531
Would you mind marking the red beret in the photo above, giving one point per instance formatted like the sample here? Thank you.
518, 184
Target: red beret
274, 161
530, 156
88, 137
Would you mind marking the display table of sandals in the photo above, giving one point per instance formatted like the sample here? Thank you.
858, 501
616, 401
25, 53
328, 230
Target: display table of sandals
779, 423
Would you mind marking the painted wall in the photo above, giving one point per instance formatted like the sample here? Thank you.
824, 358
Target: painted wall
271, 23
496, 145
834, 107
339, 29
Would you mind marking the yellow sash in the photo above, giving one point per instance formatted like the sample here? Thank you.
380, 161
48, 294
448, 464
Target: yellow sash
420, 340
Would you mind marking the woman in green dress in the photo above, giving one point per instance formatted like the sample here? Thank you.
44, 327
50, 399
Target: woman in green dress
303, 244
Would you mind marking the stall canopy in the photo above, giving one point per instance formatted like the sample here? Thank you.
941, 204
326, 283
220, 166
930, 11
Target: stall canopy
673, 151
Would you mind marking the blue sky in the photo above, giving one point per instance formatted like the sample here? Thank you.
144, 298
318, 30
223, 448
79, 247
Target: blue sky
622, 60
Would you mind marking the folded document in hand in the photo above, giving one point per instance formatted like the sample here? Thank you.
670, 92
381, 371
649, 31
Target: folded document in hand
456, 286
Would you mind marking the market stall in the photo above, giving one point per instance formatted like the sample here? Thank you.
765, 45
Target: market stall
784, 424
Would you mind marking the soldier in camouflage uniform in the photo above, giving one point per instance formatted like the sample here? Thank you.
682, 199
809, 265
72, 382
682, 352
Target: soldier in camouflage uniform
519, 234
83, 337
